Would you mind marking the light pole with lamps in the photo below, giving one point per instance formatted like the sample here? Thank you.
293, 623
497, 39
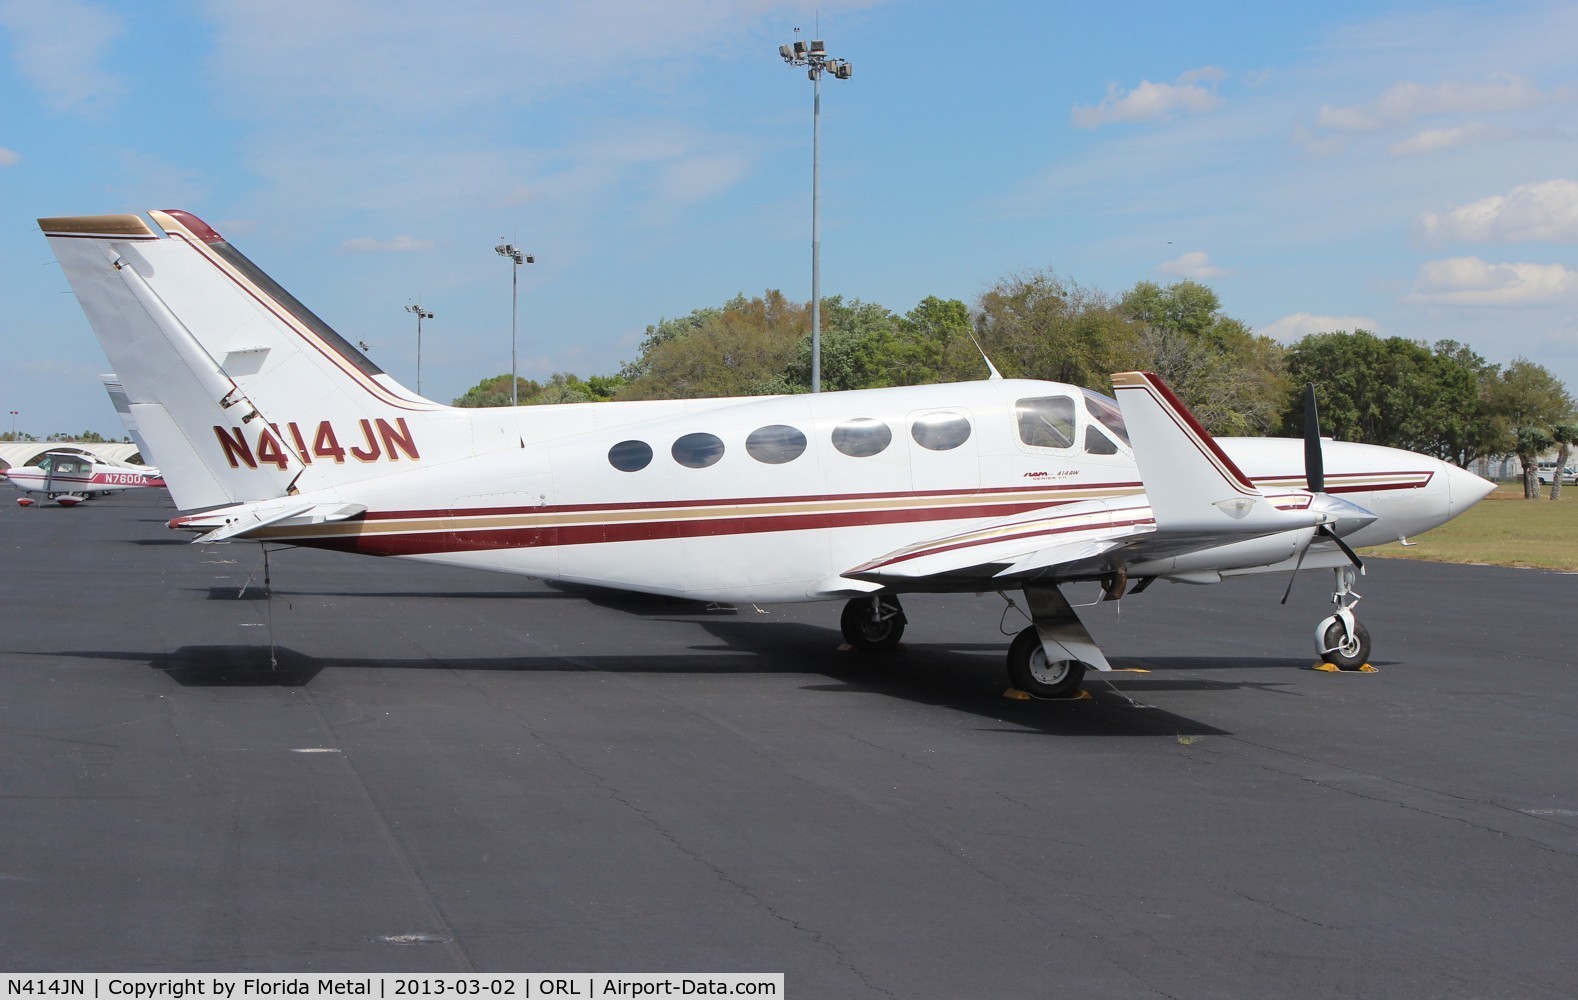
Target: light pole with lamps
13, 423
421, 314
518, 258
813, 56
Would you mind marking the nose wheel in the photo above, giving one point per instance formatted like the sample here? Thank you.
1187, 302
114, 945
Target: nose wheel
1340, 639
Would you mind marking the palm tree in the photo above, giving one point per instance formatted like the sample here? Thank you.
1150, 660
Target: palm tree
1565, 435
1531, 441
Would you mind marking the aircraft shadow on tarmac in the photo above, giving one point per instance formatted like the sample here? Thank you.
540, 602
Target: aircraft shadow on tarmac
958, 676
928, 675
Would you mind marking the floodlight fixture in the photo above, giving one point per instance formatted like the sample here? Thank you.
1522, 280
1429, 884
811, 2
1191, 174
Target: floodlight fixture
517, 258
421, 314
813, 57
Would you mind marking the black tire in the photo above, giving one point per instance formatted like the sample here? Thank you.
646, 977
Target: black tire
871, 632
1030, 672
1353, 655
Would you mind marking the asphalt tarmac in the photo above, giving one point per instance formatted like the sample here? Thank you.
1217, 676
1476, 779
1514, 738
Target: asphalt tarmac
452, 771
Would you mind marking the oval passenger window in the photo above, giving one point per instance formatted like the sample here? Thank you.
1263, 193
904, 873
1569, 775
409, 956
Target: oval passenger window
630, 456
775, 444
697, 451
942, 431
862, 437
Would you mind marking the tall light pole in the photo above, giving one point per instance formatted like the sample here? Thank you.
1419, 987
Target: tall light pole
813, 56
421, 314
13, 423
513, 252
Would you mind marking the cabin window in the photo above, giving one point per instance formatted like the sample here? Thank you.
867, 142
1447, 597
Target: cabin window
1046, 422
1097, 443
630, 456
942, 431
775, 444
862, 437
1105, 409
697, 451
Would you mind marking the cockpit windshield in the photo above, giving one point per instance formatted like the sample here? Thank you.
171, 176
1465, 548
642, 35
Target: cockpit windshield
1105, 410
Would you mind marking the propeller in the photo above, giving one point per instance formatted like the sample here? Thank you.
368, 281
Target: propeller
1314, 463
1315, 479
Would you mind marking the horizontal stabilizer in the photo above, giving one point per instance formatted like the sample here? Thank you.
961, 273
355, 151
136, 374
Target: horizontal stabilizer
237, 523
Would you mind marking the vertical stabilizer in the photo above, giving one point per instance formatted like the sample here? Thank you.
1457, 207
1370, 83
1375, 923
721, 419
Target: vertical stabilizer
242, 392
174, 389
1190, 482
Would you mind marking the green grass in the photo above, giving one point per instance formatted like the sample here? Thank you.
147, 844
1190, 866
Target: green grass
1503, 530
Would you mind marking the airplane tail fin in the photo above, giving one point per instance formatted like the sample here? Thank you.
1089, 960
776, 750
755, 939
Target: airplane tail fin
122, 404
240, 390
1190, 482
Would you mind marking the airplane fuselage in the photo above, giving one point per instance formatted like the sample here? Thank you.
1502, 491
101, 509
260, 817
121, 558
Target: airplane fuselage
78, 478
772, 499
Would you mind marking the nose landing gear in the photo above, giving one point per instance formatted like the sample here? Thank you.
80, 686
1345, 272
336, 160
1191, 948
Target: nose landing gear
1340, 639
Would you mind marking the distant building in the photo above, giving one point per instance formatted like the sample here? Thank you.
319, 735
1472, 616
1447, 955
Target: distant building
29, 452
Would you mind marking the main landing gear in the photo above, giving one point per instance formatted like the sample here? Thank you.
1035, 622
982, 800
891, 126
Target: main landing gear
873, 624
1339, 638
1046, 660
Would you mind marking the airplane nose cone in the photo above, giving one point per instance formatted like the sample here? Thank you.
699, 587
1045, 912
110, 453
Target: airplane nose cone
1464, 489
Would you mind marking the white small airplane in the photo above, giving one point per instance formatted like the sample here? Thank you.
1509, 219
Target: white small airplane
69, 478
273, 428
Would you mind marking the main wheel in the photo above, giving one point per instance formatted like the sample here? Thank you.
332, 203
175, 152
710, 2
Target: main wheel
869, 625
1031, 671
1346, 653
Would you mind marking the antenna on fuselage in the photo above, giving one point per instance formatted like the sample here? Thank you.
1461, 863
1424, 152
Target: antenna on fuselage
996, 375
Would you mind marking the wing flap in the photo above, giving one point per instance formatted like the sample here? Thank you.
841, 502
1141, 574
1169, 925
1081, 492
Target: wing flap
1028, 544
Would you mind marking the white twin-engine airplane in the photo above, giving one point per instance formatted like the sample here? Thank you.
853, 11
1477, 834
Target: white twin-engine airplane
68, 478
275, 429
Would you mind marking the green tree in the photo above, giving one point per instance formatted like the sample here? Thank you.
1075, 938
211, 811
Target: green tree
1527, 403
495, 391
933, 343
1461, 419
1565, 435
733, 351
858, 343
661, 333
1037, 325
1395, 392
1234, 380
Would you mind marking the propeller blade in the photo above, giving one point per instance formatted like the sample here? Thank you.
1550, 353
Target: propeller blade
1295, 574
1314, 464
1353, 556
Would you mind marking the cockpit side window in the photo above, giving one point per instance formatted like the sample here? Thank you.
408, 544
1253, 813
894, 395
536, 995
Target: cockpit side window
1046, 422
1105, 409
1097, 443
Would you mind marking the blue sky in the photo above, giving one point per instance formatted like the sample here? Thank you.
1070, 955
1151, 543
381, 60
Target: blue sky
1404, 167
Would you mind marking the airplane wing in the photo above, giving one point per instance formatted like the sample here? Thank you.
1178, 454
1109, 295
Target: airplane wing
1068, 540
1201, 518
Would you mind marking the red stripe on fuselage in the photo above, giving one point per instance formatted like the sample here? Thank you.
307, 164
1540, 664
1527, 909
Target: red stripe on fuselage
438, 540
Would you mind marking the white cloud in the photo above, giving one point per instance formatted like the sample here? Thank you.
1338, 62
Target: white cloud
1434, 140
1469, 281
9, 157
1547, 211
1302, 324
1406, 102
1194, 264
58, 47
397, 244
1210, 74
1150, 101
